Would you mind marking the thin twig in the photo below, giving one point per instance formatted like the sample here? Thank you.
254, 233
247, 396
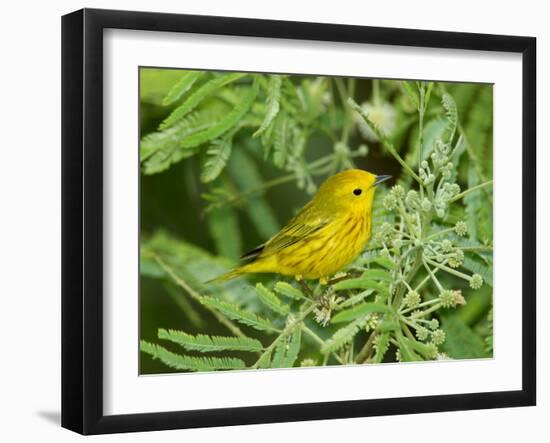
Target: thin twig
197, 297
364, 352
472, 189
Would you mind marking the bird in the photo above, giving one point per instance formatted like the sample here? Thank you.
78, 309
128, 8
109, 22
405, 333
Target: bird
325, 236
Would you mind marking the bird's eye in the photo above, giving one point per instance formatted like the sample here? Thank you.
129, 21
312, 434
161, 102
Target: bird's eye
357, 191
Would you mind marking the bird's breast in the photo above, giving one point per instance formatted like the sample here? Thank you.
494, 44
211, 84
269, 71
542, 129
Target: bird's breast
329, 250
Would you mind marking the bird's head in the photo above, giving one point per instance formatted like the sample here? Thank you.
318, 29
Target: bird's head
351, 190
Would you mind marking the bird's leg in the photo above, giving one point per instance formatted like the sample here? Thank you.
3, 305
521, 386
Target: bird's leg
304, 286
336, 280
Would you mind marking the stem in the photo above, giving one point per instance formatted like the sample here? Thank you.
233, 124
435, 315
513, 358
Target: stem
385, 142
315, 168
429, 311
364, 352
476, 248
432, 275
424, 281
321, 342
197, 297
472, 189
449, 270
421, 305
438, 233
284, 333
376, 92
421, 110
344, 96
306, 288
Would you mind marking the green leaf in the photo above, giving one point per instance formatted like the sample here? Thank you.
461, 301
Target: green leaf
234, 312
461, 341
382, 345
410, 91
150, 268
357, 298
195, 266
269, 299
405, 350
185, 362
155, 83
385, 262
181, 87
343, 335
427, 351
245, 172
159, 150
476, 266
451, 112
273, 99
217, 156
433, 130
473, 203
360, 283
265, 361
377, 274
225, 124
281, 140
223, 224
289, 291
286, 351
198, 96
359, 311
205, 343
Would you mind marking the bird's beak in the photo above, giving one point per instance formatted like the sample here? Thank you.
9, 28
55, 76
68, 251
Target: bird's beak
381, 178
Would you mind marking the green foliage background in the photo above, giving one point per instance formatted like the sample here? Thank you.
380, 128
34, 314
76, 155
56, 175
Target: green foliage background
226, 159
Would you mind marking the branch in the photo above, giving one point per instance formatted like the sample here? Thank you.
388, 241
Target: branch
472, 189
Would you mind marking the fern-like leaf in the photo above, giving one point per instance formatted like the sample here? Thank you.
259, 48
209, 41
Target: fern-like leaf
269, 299
223, 226
235, 313
451, 112
361, 283
225, 124
286, 351
188, 363
181, 87
218, 154
206, 343
359, 311
381, 346
378, 275
198, 96
343, 335
159, 150
245, 172
410, 91
281, 141
473, 203
357, 298
273, 106
286, 289
475, 266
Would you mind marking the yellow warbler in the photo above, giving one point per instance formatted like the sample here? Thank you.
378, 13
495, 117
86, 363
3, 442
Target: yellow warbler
326, 235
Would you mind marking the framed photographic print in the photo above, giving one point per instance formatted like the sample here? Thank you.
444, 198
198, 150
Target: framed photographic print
270, 221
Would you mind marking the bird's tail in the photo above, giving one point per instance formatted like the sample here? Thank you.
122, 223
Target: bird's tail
234, 273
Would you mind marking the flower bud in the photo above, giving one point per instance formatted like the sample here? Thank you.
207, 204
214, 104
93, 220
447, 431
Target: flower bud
438, 337
476, 281
412, 299
461, 228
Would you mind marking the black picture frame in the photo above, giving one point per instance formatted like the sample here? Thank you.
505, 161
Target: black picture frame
82, 220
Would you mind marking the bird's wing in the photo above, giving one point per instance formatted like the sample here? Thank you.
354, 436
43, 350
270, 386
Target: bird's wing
303, 225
